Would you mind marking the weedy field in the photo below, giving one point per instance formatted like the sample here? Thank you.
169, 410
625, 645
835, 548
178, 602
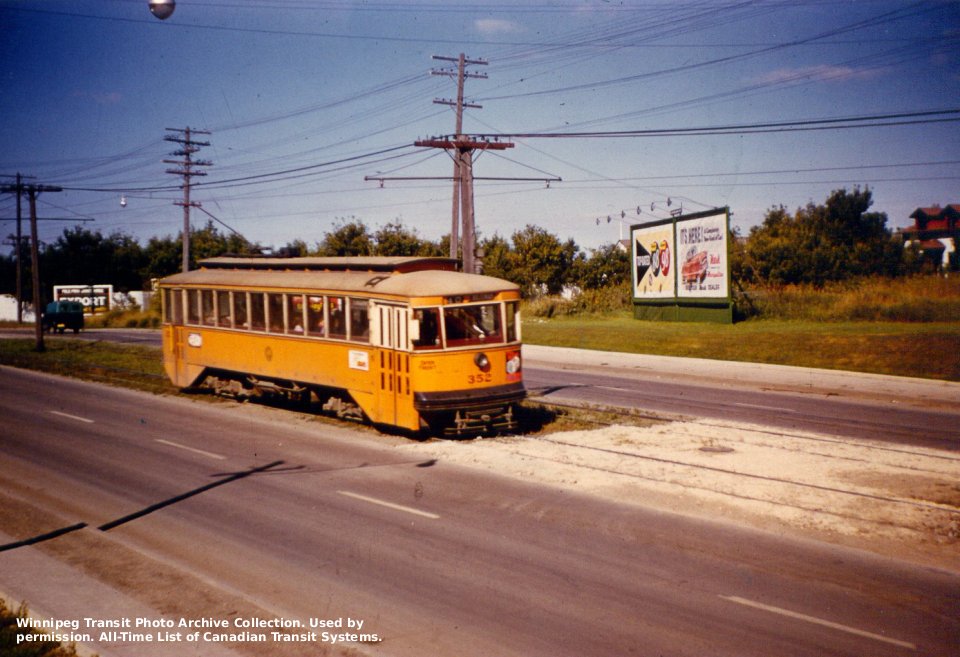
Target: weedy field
905, 327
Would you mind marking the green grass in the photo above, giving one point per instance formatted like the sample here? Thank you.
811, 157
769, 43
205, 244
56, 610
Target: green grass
927, 350
132, 366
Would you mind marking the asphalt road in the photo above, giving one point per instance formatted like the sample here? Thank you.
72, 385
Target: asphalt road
882, 419
731, 391
434, 558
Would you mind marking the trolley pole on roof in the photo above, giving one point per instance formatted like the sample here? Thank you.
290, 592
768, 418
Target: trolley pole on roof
186, 171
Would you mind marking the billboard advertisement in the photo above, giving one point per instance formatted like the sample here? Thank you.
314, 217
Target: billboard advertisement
653, 272
702, 257
680, 268
95, 298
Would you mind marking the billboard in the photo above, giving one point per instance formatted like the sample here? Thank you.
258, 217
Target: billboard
702, 257
95, 298
681, 267
653, 270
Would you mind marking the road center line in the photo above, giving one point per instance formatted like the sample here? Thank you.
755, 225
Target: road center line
73, 417
779, 409
818, 621
219, 457
389, 505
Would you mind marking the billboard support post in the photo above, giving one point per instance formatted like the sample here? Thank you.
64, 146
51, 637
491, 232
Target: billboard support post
680, 268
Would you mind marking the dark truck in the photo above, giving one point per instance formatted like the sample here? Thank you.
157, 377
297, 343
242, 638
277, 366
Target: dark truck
62, 315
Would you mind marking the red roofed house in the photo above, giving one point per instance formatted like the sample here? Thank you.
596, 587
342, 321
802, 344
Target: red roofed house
936, 231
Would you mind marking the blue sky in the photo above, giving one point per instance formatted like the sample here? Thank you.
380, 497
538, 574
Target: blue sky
303, 99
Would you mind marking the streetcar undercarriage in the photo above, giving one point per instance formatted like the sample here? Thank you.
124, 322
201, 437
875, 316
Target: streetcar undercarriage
450, 414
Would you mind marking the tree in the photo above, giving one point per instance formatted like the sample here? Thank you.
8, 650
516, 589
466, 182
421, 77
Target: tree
208, 242
543, 262
607, 266
348, 239
499, 259
395, 239
821, 243
81, 257
164, 255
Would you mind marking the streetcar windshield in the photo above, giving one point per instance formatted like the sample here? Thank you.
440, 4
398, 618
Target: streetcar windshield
468, 325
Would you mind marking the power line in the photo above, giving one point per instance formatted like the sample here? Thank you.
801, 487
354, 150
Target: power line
879, 120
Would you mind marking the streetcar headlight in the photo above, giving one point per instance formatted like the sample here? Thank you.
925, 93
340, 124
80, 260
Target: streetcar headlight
481, 361
513, 364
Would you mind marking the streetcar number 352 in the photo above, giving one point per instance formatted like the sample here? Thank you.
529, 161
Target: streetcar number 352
482, 377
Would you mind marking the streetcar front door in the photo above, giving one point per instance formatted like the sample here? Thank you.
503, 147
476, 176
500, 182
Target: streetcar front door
396, 398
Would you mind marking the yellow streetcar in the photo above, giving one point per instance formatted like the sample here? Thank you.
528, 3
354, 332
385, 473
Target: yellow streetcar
405, 342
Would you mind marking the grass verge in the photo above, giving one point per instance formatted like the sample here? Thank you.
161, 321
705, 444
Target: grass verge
929, 350
131, 366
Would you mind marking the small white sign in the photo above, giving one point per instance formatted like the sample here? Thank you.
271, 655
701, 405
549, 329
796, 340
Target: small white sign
194, 339
359, 360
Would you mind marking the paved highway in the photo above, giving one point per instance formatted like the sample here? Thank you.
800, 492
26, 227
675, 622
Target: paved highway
731, 393
762, 394
183, 508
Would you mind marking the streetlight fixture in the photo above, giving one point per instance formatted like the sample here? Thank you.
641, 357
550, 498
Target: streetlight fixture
162, 9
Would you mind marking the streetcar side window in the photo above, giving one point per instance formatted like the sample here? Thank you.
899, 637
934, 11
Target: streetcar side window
428, 321
316, 322
207, 313
258, 321
224, 315
193, 306
240, 317
173, 306
513, 333
295, 314
337, 327
275, 312
359, 320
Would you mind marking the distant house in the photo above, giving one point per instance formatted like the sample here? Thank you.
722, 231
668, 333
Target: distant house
936, 232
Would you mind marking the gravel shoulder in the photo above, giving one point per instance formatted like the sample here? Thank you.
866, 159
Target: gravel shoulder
898, 501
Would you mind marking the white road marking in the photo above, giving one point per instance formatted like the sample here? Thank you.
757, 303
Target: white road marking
73, 417
219, 457
779, 409
818, 621
389, 505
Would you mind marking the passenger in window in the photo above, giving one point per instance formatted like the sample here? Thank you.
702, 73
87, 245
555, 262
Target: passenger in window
338, 320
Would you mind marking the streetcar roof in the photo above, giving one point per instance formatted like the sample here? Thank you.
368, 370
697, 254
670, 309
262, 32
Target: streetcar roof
422, 283
400, 264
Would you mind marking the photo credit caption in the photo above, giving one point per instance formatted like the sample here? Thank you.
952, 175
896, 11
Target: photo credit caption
126, 630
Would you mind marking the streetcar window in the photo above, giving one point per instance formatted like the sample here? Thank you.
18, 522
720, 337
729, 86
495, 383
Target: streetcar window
315, 319
466, 325
512, 323
193, 306
338, 317
258, 320
360, 320
174, 306
275, 312
223, 309
240, 317
428, 321
207, 313
295, 314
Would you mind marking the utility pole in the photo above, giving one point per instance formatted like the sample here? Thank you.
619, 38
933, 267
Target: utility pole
32, 191
462, 147
186, 171
19, 252
460, 74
